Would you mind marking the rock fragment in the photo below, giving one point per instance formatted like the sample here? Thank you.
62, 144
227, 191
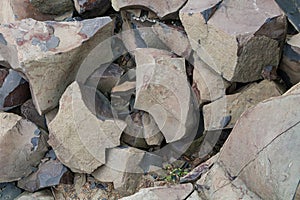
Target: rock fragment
40, 195
224, 38
163, 92
9, 191
47, 57
29, 112
77, 136
92, 8
22, 146
290, 9
55, 7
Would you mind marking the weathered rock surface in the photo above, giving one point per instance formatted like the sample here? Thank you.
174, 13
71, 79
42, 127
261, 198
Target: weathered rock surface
232, 45
14, 90
161, 8
48, 174
9, 191
54, 7
163, 91
266, 137
41, 195
158, 193
92, 8
291, 9
77, 136
224, 112
290, 63
29, 112
47, 57
22, 146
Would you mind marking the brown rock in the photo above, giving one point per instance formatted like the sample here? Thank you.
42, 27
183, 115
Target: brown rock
77, 136
41, 49
22, 146
54, 7
29, 112
232, 45
224, 112
92, 8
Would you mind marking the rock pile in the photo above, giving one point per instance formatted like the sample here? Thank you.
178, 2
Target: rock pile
174, 99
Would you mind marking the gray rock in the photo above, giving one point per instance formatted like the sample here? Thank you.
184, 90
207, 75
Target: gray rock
55, 7
21, 149
30, 49
290, 9
8, 191
91, 8
41, 195
29, 112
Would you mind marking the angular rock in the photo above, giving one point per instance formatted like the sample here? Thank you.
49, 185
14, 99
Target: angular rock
291, 9
161, 8
151, 132
51, 115
29, 112
224, 112
105, 78
47, 57
14, 90
261, 148
157, 193
194, 196
22, 146
232, 45
54, 7
293, 90
290, 63
91, 8
163, 92
8, 191
48, 174
41, 195
77, 136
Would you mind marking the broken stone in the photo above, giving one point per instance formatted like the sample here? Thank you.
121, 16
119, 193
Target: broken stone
47, 57
163, 92
40, 195
291, 9
48, 174
224, 113
77, 136
22, 146
54, 7
14, 90
51, 115
105, 78
261, 148
151, 132
290, 63
157, 193
224, 38
91, 8
8, 191
194, 196
29, 112
161, 8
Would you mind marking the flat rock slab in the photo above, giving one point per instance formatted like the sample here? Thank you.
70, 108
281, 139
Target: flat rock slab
161, 8
77, 136
163, 91
157, 193
22, 146
41, 195
261, 150
232, 45
224, 112
49, 59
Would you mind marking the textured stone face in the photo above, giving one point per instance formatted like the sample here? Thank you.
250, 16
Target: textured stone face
233, 46
92, 7
47, 57
22, 146
77, 136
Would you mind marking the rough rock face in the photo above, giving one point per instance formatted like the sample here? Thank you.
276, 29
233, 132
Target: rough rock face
266, 137
77, 136
232, 45
47, 57
92, 7
41, 195
54, 7
158, 193
22, 146
161, 8
163, 91
290, 63
29, 112
224, 112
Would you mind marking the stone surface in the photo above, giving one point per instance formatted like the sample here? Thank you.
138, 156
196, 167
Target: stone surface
40, 195
290, 63
14, 90
157, 193
224, 112
48, 174
163, 91
161, 8
291, 9
92, 8
8, 191
77, 136
47, 57
54, 7
29, 112
232, 45
266, 136
22, 146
